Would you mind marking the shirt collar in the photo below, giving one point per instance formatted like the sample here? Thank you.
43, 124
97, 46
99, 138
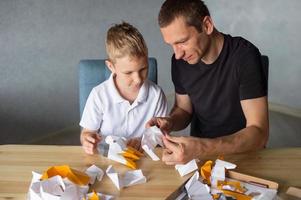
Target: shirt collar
117, 98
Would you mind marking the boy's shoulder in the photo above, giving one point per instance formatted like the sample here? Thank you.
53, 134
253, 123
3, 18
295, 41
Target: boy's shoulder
153, 87
102, 87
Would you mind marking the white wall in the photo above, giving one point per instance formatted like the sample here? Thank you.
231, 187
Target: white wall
41, 42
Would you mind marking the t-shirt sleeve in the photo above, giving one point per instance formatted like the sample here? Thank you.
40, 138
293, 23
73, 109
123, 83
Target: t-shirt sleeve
175, 76
161, 108
92, 114
252, 83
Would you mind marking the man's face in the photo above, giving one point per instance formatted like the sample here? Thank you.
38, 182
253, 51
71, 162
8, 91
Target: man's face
187, 43
130, 72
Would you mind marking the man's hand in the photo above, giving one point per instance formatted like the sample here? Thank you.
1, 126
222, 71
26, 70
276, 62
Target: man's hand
90, 141
180, 150
164, 123
135, 143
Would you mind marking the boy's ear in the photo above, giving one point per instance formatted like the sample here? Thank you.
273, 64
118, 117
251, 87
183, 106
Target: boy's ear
110, 66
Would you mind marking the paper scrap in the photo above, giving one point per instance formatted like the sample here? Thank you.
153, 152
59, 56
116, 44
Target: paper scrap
187, 168
132, 177
119, 152
62, 182
98, 196
196, 189
151, 138
94, 173
77, 177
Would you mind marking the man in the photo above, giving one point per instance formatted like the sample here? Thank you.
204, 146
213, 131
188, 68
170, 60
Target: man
218, 78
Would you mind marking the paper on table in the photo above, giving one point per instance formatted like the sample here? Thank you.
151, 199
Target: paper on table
62, 182
218, 171
98, 196
94, 172
196, 189
119, 152
55, 188
187, 168
77, 177
130, 178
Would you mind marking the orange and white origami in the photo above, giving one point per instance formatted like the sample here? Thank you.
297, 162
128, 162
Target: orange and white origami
119, 152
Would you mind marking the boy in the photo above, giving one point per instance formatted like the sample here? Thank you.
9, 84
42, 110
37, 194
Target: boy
122, 105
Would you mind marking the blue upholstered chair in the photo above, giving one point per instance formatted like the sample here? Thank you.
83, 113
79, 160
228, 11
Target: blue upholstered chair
94, 72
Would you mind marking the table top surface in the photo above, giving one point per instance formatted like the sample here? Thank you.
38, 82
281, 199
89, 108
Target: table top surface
18, 161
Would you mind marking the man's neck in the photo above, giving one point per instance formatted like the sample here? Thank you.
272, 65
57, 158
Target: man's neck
215, 48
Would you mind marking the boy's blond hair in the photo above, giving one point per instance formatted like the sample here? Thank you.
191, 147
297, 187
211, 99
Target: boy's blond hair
125, 40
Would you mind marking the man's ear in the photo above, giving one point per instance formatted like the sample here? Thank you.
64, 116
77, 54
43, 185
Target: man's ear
208, 25
110, 66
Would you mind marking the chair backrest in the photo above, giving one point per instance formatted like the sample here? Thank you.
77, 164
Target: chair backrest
195, 125
94, 72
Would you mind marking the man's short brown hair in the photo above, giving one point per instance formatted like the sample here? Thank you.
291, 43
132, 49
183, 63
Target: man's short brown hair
193, 12
125, 40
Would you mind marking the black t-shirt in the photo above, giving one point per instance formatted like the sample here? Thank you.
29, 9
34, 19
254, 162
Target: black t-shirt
216, 89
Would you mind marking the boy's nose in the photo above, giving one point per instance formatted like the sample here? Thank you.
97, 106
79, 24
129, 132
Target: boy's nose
138, 79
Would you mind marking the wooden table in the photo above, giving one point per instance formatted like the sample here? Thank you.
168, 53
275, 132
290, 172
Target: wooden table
17, 162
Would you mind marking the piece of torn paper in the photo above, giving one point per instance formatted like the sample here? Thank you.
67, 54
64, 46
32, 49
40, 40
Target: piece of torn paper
187, 168
132, 177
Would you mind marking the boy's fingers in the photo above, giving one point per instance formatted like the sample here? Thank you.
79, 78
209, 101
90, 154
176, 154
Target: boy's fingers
90, 139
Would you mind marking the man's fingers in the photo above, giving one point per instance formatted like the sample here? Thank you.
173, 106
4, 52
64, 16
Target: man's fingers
174, 139
150, 123
172, 146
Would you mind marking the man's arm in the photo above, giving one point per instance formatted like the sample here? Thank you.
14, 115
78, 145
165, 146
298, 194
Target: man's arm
179, 117
253, 137
181, 112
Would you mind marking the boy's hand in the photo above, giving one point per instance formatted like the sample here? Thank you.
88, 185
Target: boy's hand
135, 143
90, 141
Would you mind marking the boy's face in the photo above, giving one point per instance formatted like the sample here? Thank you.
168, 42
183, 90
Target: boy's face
130, 72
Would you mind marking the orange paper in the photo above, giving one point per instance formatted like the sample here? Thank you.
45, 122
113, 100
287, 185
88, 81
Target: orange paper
77, 177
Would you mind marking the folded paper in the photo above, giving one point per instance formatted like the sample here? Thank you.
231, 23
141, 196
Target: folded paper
151, 138
222, 187
98, 196
187, 168
119, 152
130, 178
94, 173
77, 177
62, 183
196, 189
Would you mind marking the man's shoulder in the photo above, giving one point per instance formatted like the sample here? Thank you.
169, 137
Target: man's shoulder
239, 44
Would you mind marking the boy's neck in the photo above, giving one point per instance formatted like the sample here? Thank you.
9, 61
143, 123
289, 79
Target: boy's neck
129, 96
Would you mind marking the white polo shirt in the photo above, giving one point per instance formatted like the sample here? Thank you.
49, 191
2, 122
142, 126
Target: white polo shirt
110, 114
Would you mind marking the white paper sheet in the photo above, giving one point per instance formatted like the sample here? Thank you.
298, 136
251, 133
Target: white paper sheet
94, 172
101, 196
187, 168
196, 189
151, 138
218, 171
132, 177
